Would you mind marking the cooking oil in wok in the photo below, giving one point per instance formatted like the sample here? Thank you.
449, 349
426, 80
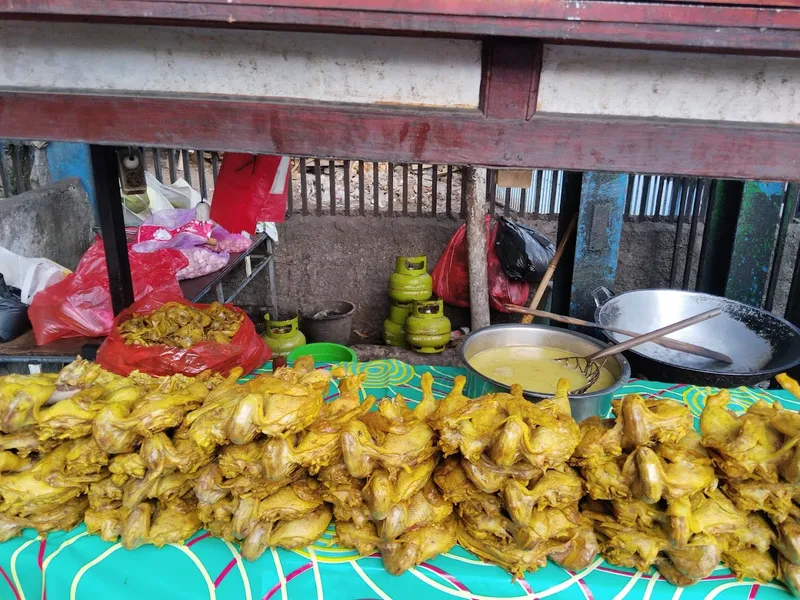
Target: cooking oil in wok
534, 368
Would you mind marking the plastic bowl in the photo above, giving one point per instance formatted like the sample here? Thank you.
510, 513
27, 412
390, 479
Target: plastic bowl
323, 352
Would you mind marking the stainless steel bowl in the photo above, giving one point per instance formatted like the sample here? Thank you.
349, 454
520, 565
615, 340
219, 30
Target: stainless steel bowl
498, 336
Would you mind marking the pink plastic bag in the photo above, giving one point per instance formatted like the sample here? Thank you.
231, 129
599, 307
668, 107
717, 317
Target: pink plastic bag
80, 304
229, 242
202, 261
177, 228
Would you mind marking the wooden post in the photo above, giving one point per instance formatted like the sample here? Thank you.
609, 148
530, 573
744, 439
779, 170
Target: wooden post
476, 252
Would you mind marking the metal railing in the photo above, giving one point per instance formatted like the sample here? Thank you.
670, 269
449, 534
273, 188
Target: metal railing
13, 160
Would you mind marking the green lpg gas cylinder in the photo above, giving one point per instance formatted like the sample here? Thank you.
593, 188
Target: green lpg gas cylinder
410, 281
283, 336
427, 329
394, 330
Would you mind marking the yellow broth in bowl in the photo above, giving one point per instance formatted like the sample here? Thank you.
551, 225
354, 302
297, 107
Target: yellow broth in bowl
534, 368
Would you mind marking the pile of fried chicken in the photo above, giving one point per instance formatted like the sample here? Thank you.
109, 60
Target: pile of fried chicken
270, 463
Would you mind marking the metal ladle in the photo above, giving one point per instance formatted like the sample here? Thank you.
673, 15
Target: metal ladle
588, 367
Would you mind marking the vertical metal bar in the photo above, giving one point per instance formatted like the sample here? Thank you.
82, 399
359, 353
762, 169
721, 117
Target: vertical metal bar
361, 200
507, 203
554, 195
112, 226
201, 173
405, 190
157, 164
629, 197
646, 181
16, 163
390, 182
419, 189
220, 293
570, 206
304, 185
449, 195
699, 196
173, 175
290, 194
662, 179
215, 166
466, 173
376, 189
722, 216
187, 167
789, 208
523, 200
491, 189
332, 181
434, 188
273, 288
347, 187
318, 184
537, 202
5, 181
684, 196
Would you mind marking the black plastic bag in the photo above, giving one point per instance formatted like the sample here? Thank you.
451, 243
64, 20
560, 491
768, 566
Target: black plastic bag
523, 253
13, 313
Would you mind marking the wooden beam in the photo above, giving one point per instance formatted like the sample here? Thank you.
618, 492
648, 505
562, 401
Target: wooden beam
476, 255
704, 24
723, 150
511, 77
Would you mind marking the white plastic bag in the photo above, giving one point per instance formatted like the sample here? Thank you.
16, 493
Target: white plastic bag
30, 275
161, 196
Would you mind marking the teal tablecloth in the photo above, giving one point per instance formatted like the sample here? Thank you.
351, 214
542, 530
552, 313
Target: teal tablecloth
75, 565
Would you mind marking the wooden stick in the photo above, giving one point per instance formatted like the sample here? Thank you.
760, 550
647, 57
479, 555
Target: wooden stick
551, 268
665, 342
476, 255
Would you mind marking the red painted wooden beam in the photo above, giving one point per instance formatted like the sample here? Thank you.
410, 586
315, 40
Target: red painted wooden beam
404, 135
753, 25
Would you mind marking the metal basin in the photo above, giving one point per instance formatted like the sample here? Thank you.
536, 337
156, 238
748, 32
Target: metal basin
497, 336
759, 343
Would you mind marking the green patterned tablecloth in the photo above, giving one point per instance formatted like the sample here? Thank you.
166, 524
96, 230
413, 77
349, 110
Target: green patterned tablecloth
75, 565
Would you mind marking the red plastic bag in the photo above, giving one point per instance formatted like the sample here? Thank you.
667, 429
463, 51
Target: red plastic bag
250, 188
451, 274
80, 304
246, 349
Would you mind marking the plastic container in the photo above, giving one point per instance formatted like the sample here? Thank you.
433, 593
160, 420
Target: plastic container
283, 336
427, 329
329, 322
323, 353
410, 281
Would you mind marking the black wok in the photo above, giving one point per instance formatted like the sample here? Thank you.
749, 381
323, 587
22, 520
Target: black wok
760, 343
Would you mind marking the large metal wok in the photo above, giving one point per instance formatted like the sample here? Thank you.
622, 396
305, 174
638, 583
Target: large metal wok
760, 344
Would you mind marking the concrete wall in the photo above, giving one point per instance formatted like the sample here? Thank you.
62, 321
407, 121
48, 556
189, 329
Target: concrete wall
352, 257
52, 222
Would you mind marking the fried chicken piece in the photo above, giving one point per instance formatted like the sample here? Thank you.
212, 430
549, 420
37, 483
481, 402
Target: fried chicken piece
601, 442
244, 459
788, 540
207, 425
395, 416
744, 446
104, 494
548, 525
344, 492
385, 491
419, 545
490, 478
175, 521
294, 501
11, 527
775, 499
485, 519
504, 554
108, 523
64, 517
750, 563
452, 480
298, 533
556, 488
465, 425
696, 560
363, 452
25, 442
85, 457
11, 462
424, 508
578, 552
671, 573
125, 466
136, 528
364, 538
275, 414
20, 396
789, 574
162, 454
645, 422
626, 546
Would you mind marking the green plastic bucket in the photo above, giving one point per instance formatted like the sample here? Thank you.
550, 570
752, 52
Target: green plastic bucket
323, 352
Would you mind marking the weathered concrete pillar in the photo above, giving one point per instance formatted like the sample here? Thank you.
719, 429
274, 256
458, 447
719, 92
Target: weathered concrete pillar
476, 252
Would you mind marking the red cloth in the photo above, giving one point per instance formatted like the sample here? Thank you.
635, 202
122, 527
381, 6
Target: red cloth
451, 274
244, 194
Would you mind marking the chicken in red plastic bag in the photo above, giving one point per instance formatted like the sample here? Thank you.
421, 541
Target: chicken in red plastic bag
246, 349
80, 304
451, 274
